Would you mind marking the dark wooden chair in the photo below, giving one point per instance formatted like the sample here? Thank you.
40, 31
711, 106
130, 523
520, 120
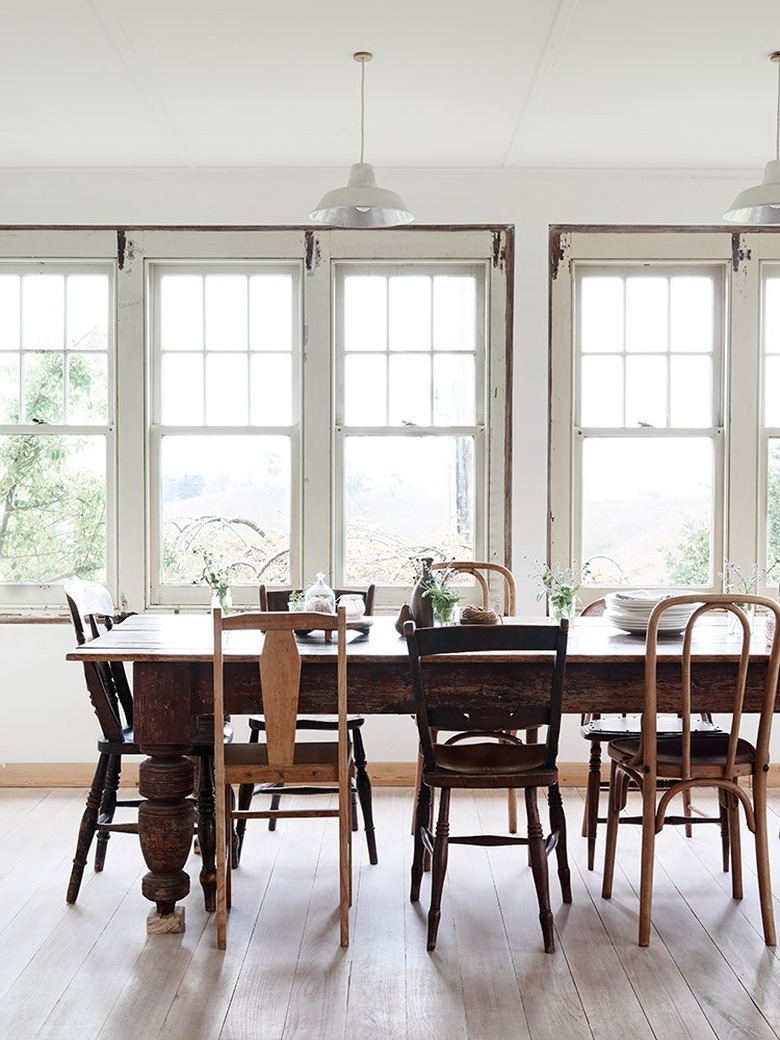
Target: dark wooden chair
599, 729
665, 766
483, 572
494, 760
282, 755
90, 606
277, 600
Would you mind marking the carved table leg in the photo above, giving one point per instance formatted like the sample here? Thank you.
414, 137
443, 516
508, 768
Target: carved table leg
165, 824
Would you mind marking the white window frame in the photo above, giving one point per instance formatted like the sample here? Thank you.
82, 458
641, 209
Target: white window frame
739, 524
68, 252
132, 434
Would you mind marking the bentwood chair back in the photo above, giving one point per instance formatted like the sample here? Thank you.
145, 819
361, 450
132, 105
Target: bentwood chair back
482, 754
282, 758
278, 600
665, 765
483, 572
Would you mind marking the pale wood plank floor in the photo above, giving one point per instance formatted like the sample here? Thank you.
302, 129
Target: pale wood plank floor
89, 972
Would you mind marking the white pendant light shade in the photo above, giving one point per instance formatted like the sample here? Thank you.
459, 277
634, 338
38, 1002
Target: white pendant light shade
362, 203
761, 203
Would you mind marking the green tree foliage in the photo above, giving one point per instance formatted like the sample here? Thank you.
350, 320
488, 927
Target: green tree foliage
688, 562
52, 500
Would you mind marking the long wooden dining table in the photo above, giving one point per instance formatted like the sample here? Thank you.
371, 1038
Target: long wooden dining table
171, 656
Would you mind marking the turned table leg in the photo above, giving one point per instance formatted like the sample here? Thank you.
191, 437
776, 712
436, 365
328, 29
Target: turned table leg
165, 826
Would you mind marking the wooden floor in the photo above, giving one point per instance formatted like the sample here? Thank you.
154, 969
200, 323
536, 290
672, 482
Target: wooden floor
89, 971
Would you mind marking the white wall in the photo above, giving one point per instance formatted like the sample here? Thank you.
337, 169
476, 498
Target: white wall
37, 687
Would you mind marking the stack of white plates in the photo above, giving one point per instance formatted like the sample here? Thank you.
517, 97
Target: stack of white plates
631, 610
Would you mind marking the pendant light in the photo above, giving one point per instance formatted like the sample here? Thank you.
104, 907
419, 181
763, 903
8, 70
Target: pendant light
362, 203
761, 204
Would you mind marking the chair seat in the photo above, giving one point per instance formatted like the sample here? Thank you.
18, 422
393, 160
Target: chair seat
314, 762
323, 722
707, 753
464, 765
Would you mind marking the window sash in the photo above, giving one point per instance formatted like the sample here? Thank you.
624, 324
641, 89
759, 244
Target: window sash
632, 254
68, 254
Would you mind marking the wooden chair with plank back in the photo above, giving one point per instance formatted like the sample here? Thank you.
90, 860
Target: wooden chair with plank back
668, 765
278, 600
281, 758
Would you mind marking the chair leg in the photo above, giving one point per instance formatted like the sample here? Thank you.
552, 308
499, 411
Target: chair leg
417, 783
511, 810
762, 859
618, 784
590, 817
724, 829
346, 813
648, 863
538, 854
245, 795
363, 784
276, 799
87, 828
735, 838
686, 798
558, 828
439, 868
207, 835
422, 818
107, 809
223, 864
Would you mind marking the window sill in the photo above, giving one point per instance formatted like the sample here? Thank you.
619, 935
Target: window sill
32, 618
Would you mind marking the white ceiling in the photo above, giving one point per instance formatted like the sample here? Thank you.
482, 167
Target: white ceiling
677, 84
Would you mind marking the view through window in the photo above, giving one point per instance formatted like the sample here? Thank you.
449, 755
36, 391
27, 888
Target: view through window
665, 423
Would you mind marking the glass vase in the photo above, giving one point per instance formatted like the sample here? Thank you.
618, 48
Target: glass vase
446, 614
734, 623
223, 600
563, 608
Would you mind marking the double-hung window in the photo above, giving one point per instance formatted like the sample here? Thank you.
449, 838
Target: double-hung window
665, 426
410, 424
226, 403
56, 420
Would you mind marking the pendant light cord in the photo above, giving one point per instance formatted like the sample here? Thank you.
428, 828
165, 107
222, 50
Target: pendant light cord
363, 107
777, 128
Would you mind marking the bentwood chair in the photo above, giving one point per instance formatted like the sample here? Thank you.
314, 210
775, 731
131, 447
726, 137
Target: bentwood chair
598, 729
688, 760
90, 605
483, 572
281, 757
493, 760
277, 600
